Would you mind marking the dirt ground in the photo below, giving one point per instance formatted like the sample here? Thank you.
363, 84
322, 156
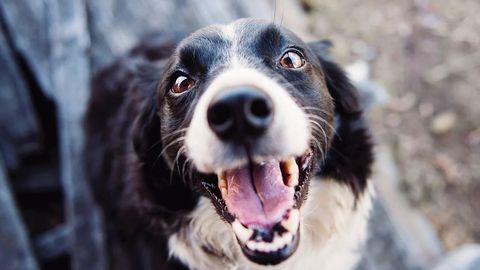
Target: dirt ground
426, 55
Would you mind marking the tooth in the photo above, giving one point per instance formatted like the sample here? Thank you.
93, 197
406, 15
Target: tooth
241, 232
252, 245
276, 243
287, 238
261, 246
290, 171
222, 184
291, 224
224, 192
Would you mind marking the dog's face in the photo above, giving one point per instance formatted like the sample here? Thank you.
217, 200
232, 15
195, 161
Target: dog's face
245, 117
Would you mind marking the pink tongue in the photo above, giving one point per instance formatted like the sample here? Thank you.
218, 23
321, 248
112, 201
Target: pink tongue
264, 208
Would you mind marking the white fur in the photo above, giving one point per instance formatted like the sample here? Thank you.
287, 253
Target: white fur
331, 233
288, 136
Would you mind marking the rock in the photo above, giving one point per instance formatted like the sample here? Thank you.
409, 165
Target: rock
443, 122
447, 167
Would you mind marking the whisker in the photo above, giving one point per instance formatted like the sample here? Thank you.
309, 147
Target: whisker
162, 139
173, 133
176, 161
321, 131
309, 109
315, 117
172, 143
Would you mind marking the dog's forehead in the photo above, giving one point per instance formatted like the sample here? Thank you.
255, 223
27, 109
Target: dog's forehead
240, 40
249, 30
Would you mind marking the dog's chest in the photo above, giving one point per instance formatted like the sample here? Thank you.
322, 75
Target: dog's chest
332, 229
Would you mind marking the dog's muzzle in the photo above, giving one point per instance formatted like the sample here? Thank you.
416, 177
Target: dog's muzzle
240, 114
249, 132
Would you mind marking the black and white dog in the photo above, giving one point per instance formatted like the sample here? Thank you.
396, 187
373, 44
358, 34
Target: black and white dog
242, 147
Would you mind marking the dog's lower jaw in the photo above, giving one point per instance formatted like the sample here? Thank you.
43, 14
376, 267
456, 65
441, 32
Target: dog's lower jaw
333, 227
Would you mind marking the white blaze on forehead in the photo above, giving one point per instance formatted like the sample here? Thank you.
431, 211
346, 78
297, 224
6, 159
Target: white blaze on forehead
287, 136
229, 32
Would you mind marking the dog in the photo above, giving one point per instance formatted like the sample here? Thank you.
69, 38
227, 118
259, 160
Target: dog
240, 147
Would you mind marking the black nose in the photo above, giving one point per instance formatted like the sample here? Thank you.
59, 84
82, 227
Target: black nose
240, 113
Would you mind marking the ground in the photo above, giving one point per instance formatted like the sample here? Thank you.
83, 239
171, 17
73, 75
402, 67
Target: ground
426, 55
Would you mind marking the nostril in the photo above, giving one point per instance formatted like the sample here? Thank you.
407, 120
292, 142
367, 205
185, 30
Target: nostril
261, 108
219, 118
219, 114
258, 114
240, 113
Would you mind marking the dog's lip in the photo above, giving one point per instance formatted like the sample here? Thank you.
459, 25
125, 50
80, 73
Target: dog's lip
270, 247
273, 257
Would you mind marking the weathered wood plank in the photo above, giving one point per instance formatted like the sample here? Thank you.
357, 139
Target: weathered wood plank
26, 24
70, 88
21, 135
53, 243
15, 250
36, 178
116, 25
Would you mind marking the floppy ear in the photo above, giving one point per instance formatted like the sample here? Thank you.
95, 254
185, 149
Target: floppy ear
338, 84
146, 132
352, 157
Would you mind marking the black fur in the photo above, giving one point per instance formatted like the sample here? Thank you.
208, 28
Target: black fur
350, 157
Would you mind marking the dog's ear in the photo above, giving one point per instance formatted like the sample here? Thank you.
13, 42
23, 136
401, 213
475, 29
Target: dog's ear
338, 84
146, 132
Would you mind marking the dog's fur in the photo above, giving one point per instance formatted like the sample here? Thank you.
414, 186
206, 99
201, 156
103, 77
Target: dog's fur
159, 215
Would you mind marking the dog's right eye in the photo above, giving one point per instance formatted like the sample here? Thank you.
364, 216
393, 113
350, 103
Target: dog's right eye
182, 83
292, 59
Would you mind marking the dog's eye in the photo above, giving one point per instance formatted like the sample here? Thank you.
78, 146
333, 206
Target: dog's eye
292, 59
182, 83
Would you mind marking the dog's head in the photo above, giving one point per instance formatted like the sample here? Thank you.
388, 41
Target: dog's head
246, 116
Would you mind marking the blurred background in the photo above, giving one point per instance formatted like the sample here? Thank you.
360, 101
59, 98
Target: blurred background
416, 64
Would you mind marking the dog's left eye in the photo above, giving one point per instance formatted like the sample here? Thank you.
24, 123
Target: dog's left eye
182, 83
292, 59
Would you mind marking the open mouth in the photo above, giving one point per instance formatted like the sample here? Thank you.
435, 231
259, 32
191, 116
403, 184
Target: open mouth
261, 201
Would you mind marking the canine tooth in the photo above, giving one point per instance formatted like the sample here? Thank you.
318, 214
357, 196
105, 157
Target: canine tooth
222, 184
224, 192
292, 222
290, 170
276, 243
241, 232
287, 238
283, 240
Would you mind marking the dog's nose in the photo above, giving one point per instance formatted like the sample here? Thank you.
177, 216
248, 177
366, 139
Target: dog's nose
240, 113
